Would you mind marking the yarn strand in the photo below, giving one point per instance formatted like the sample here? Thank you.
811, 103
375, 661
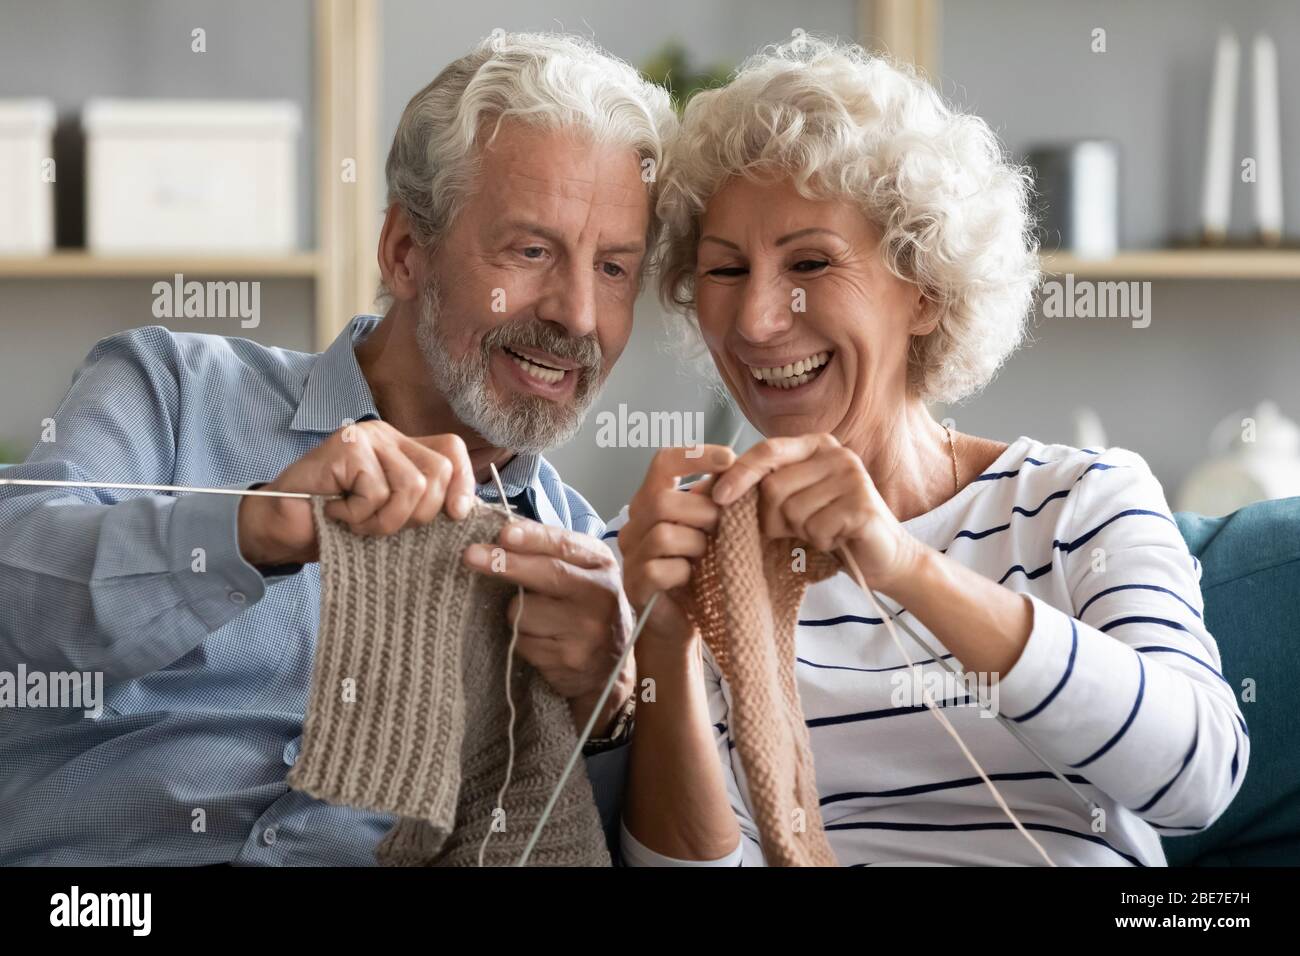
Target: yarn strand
586, 731
934, 708
510, 726
1003, 720
510, 697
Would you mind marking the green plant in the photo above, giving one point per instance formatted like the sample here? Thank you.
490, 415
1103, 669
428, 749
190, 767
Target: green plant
11, 453
672, 69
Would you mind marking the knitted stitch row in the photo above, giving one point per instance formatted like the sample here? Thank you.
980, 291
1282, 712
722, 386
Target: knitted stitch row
408, 714
744, 597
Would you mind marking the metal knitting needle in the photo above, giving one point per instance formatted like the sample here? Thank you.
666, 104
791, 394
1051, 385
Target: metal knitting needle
600, 705
175, 489
896, 618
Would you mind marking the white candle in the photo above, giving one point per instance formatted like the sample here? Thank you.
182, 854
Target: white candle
1217, 191
1268, 149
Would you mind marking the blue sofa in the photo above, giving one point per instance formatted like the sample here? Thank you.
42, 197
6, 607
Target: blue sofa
1251, 584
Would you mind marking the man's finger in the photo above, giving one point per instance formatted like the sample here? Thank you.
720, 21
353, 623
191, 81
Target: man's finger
365, 490
406, 485
533, 537
541, 574
460, 489
543, 616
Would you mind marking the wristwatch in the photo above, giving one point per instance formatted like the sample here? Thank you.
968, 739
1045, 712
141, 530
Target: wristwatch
619, 735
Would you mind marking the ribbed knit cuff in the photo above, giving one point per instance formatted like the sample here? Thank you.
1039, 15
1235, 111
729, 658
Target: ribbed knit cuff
386, 717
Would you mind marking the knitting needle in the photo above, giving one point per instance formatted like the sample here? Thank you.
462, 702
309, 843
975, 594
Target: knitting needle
177, 489
856, 574
895, 616
586, 732
600, 706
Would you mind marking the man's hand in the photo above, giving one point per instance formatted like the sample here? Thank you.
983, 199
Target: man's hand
390, 481
575, 621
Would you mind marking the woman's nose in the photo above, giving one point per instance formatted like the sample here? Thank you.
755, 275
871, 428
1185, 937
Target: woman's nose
766, 309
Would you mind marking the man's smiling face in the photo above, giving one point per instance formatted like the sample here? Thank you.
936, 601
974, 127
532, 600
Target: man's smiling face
527, 302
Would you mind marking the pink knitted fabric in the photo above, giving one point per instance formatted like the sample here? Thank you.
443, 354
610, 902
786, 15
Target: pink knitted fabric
744, 596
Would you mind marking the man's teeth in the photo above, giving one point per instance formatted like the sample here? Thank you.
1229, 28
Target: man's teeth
540, 372
794, 374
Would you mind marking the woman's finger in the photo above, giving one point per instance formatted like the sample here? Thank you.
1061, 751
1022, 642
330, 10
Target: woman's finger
657, 574
674, 507
790, 496
666, 540
763, 459
670, 464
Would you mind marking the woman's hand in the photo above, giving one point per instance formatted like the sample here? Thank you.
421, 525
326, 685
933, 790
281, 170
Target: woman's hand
814, 489
666, 530
676, 800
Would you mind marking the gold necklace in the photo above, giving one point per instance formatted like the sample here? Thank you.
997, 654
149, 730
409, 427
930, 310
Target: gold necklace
952, 449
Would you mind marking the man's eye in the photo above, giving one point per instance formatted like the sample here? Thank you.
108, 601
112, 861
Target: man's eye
534, 252
810, 265
728, 272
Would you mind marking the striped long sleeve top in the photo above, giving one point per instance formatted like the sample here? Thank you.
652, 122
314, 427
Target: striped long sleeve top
1119, 687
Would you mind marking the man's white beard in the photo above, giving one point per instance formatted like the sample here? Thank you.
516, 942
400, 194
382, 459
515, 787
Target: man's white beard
520, 423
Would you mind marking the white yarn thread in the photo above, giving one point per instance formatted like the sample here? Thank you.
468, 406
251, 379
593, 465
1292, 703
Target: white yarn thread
934, 708
510, 698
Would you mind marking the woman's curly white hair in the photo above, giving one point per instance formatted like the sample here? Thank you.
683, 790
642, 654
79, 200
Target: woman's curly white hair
953, 213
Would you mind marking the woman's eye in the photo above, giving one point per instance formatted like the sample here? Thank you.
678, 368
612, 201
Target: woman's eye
810, 265
727, 271
613, 270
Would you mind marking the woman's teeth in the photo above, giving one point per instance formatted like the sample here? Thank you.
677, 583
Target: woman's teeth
540, 372
793, 375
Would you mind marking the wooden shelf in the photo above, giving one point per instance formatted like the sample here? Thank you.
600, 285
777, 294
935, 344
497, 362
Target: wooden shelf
1181, 264
86, 265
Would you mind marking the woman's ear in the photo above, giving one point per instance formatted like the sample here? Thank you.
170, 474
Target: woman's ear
925, 317
398, 253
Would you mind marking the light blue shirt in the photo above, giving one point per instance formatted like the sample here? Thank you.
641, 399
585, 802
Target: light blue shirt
206, 664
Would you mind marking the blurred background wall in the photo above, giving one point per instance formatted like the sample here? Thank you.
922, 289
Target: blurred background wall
1214, 347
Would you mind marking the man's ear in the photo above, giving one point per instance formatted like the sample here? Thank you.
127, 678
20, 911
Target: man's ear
399, 255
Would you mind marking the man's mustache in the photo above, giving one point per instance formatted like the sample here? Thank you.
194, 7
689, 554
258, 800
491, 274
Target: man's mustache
545, 337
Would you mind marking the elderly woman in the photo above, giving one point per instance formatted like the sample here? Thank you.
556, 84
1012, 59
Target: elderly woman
852, 249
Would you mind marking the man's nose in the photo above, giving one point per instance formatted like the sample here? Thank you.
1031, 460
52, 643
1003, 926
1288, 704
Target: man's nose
571, 302
766, 309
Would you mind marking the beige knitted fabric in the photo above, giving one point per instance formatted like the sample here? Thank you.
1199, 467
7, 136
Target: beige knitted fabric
745, 594
407, 713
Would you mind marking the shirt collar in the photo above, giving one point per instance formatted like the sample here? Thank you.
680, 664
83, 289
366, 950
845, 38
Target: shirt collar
336, 390
519, 474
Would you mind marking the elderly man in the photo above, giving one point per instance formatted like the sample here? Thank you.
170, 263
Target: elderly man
520, 212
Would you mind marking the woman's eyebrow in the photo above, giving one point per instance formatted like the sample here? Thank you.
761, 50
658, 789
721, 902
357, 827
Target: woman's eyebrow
788, 237
800, 233
721, 242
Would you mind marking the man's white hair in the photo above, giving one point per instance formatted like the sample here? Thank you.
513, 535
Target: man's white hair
954, 214
549, 80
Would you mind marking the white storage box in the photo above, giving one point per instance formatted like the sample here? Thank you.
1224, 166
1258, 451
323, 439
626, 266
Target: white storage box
191, 175
27, 177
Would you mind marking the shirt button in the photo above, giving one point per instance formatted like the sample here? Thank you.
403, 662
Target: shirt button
291, 753
237, 597
268, 836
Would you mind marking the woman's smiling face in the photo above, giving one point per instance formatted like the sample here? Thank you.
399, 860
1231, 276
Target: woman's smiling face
806, 325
